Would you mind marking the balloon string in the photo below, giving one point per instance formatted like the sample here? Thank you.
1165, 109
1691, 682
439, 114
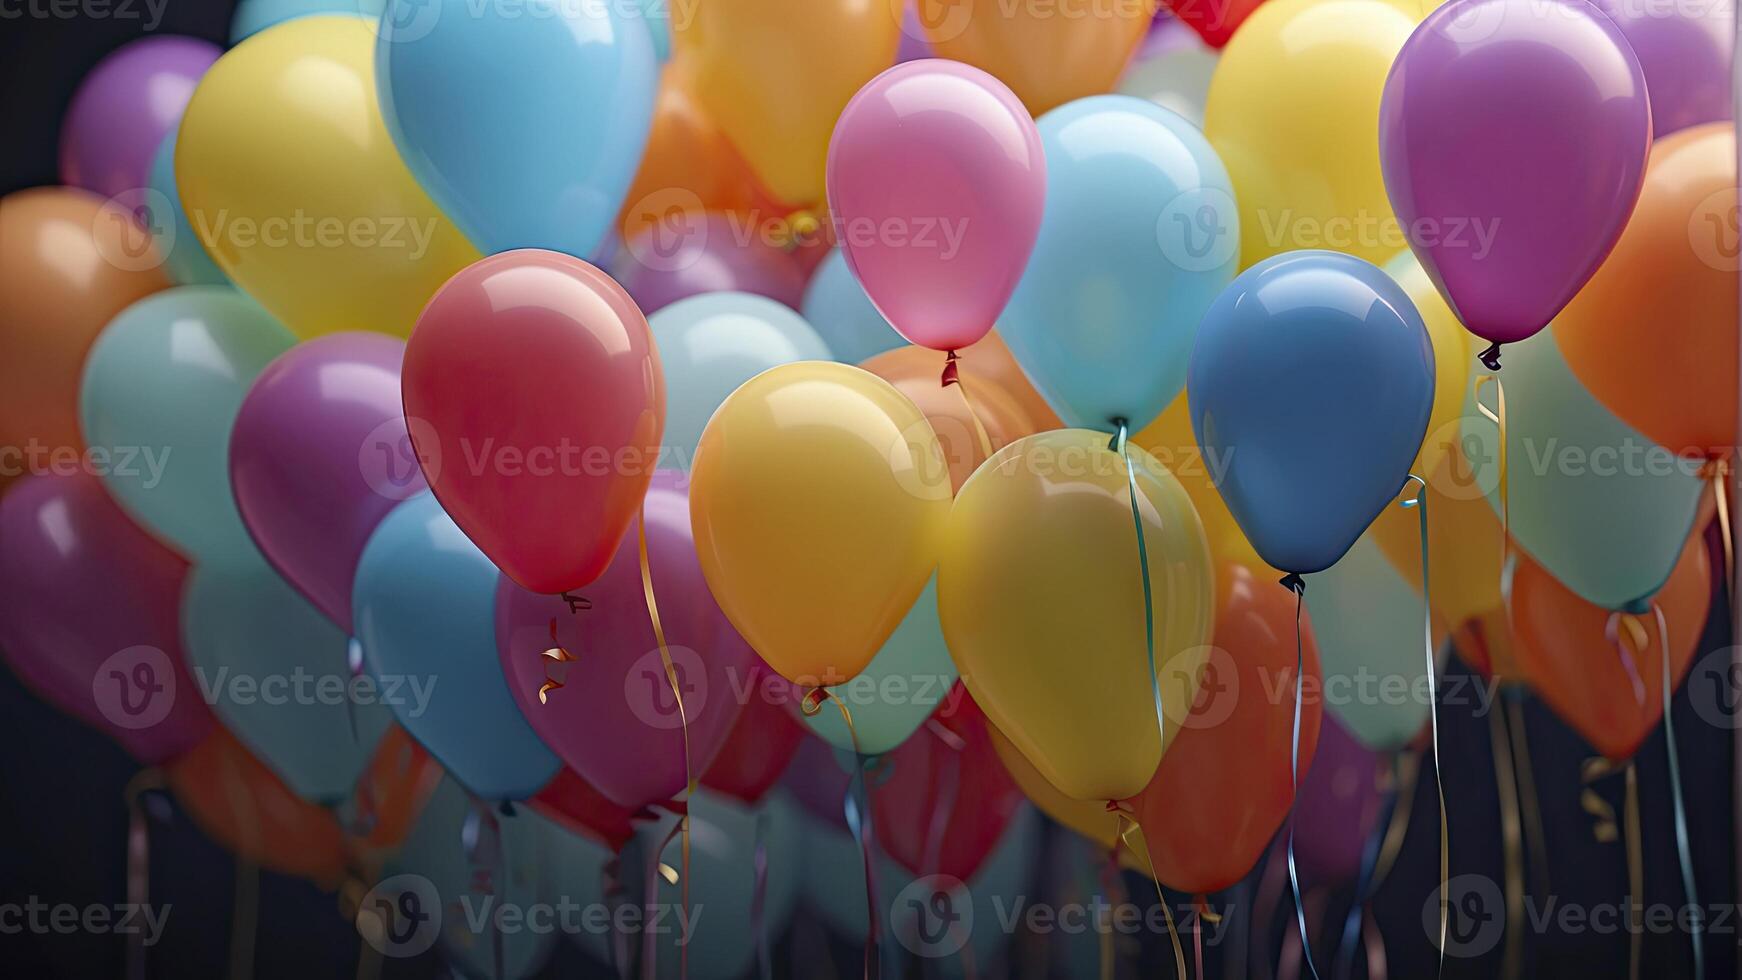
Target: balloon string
683, 717
1345, 958
1375, 943
1512, 843
244, 915
1635, 874
1497, 415
1125, 828
1296, 584
1419, 503
1110, 884
861, 823
139, 860
1121, 446
1535, 837
1407, 771
1636, 632
1683, 851
656, 869
759, 901
1198, 939
953, 376
1718, 472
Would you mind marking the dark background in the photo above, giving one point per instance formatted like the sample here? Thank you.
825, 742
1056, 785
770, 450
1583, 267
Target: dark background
63, 823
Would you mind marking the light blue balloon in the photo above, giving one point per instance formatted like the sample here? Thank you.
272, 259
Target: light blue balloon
1139, 235
184, 258
254, 16
425, 606
1369, 624
1312, 379
712, 343
276, 672
835, 305
524, 122
1602, 507
657, 14
159, 396
909, 678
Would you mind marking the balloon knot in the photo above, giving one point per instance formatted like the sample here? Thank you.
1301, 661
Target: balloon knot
1294, 583
813, 701
951, 374
1490, 357
507, 809
576, 603
1121, 432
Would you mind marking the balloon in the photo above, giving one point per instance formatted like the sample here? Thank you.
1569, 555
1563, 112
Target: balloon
1334, 812
937, 182
910, 679
124, 108
927, 914
947, 800
611, 714
775, 76
241, 804
1561, 642
818, 779
69, 262
913, 46
389, 796
656, 14
760, 745
290, 179
1177, 79
89, 621
523, 124
163, 384
276, 672
1046, 524
579, 806
712, 343
686, 253
819, 499
1215, 20
1600, 506
1141, 229
1048, 53
318, 456
1292, 109
1640, 351
184, 258
1507, 235
1317, 368
254, 16
1685, 52
1224, 786
1173, 444
425, 601
952, 410
535, 401
836, 305
1089, 819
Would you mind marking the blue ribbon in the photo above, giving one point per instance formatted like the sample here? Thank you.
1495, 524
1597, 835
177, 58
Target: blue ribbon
1294, 583
1681, 813
1121, 446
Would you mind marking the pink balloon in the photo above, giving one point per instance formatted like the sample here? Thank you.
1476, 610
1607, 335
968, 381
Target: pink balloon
615, 720
90, 616
937, 182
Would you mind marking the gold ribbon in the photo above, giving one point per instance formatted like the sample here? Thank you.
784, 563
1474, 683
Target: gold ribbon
1497, 415
1718, 472
1683, 850
1535, 838
1419, 504
682, 714
1124, 829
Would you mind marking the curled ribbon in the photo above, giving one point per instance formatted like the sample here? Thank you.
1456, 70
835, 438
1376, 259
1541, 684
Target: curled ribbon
1419, 503
1294, 583
682, 714
1124, 830
1681, 815
561, 655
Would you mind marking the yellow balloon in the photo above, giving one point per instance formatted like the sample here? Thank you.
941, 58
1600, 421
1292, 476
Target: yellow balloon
775, 75
818, 497
1041, 603
290, 180
1293, 109
1171, 440
1091, 820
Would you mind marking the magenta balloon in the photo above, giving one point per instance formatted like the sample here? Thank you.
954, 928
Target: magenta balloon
125, 107
936, 182
1337, 808
615, 720
90, 615
1685, 49
319, 454
1513, 136
694, 252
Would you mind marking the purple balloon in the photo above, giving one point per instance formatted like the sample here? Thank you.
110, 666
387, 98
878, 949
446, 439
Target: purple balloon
90, 615
319, 454
125, 107
1513, 136
914, 45
1686, 52
689, 253
1338, 804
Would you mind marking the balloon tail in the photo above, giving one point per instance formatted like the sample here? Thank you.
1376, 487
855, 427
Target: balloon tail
1683, 850
1419, 503
1121, 445
139, 860
1297, 585
676, 683
1512, 844
859, 818
1535, 837
556, 653
1490, 357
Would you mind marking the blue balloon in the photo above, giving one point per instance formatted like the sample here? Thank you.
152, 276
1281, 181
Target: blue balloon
254, 16
1139, 236
525, 122
425, 606
835, 305
184, 258
1312, 379
657, 14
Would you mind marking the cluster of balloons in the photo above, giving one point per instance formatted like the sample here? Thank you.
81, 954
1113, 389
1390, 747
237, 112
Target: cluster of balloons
587, 410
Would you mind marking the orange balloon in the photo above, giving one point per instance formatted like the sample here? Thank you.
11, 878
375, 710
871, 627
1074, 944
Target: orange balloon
1224, 786
689, 164
1048, 53
991, 359
391, 793
1485, 643
1560, 641
69, 261
238, 802
916, 372
1465, 541
1653, 334
1171, 439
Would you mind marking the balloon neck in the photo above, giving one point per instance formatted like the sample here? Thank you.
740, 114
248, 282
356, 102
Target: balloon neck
1294, 583
1121, 432
506, 808
576, 603
813, 702
951, 374
1490, 357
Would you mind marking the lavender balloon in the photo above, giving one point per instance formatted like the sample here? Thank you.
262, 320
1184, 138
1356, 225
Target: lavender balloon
318, 456
1513, 136
1338, 803
1685, 49
693, 252
123, 110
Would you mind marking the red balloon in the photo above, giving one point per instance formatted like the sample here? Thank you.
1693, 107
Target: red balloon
759, 747
1214, 20
574, 803
535, 402
1224, 786
947, 798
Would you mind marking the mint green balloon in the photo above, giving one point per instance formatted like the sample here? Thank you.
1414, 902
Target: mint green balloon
1369, 624
1603, 508
911, 676
159, 396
